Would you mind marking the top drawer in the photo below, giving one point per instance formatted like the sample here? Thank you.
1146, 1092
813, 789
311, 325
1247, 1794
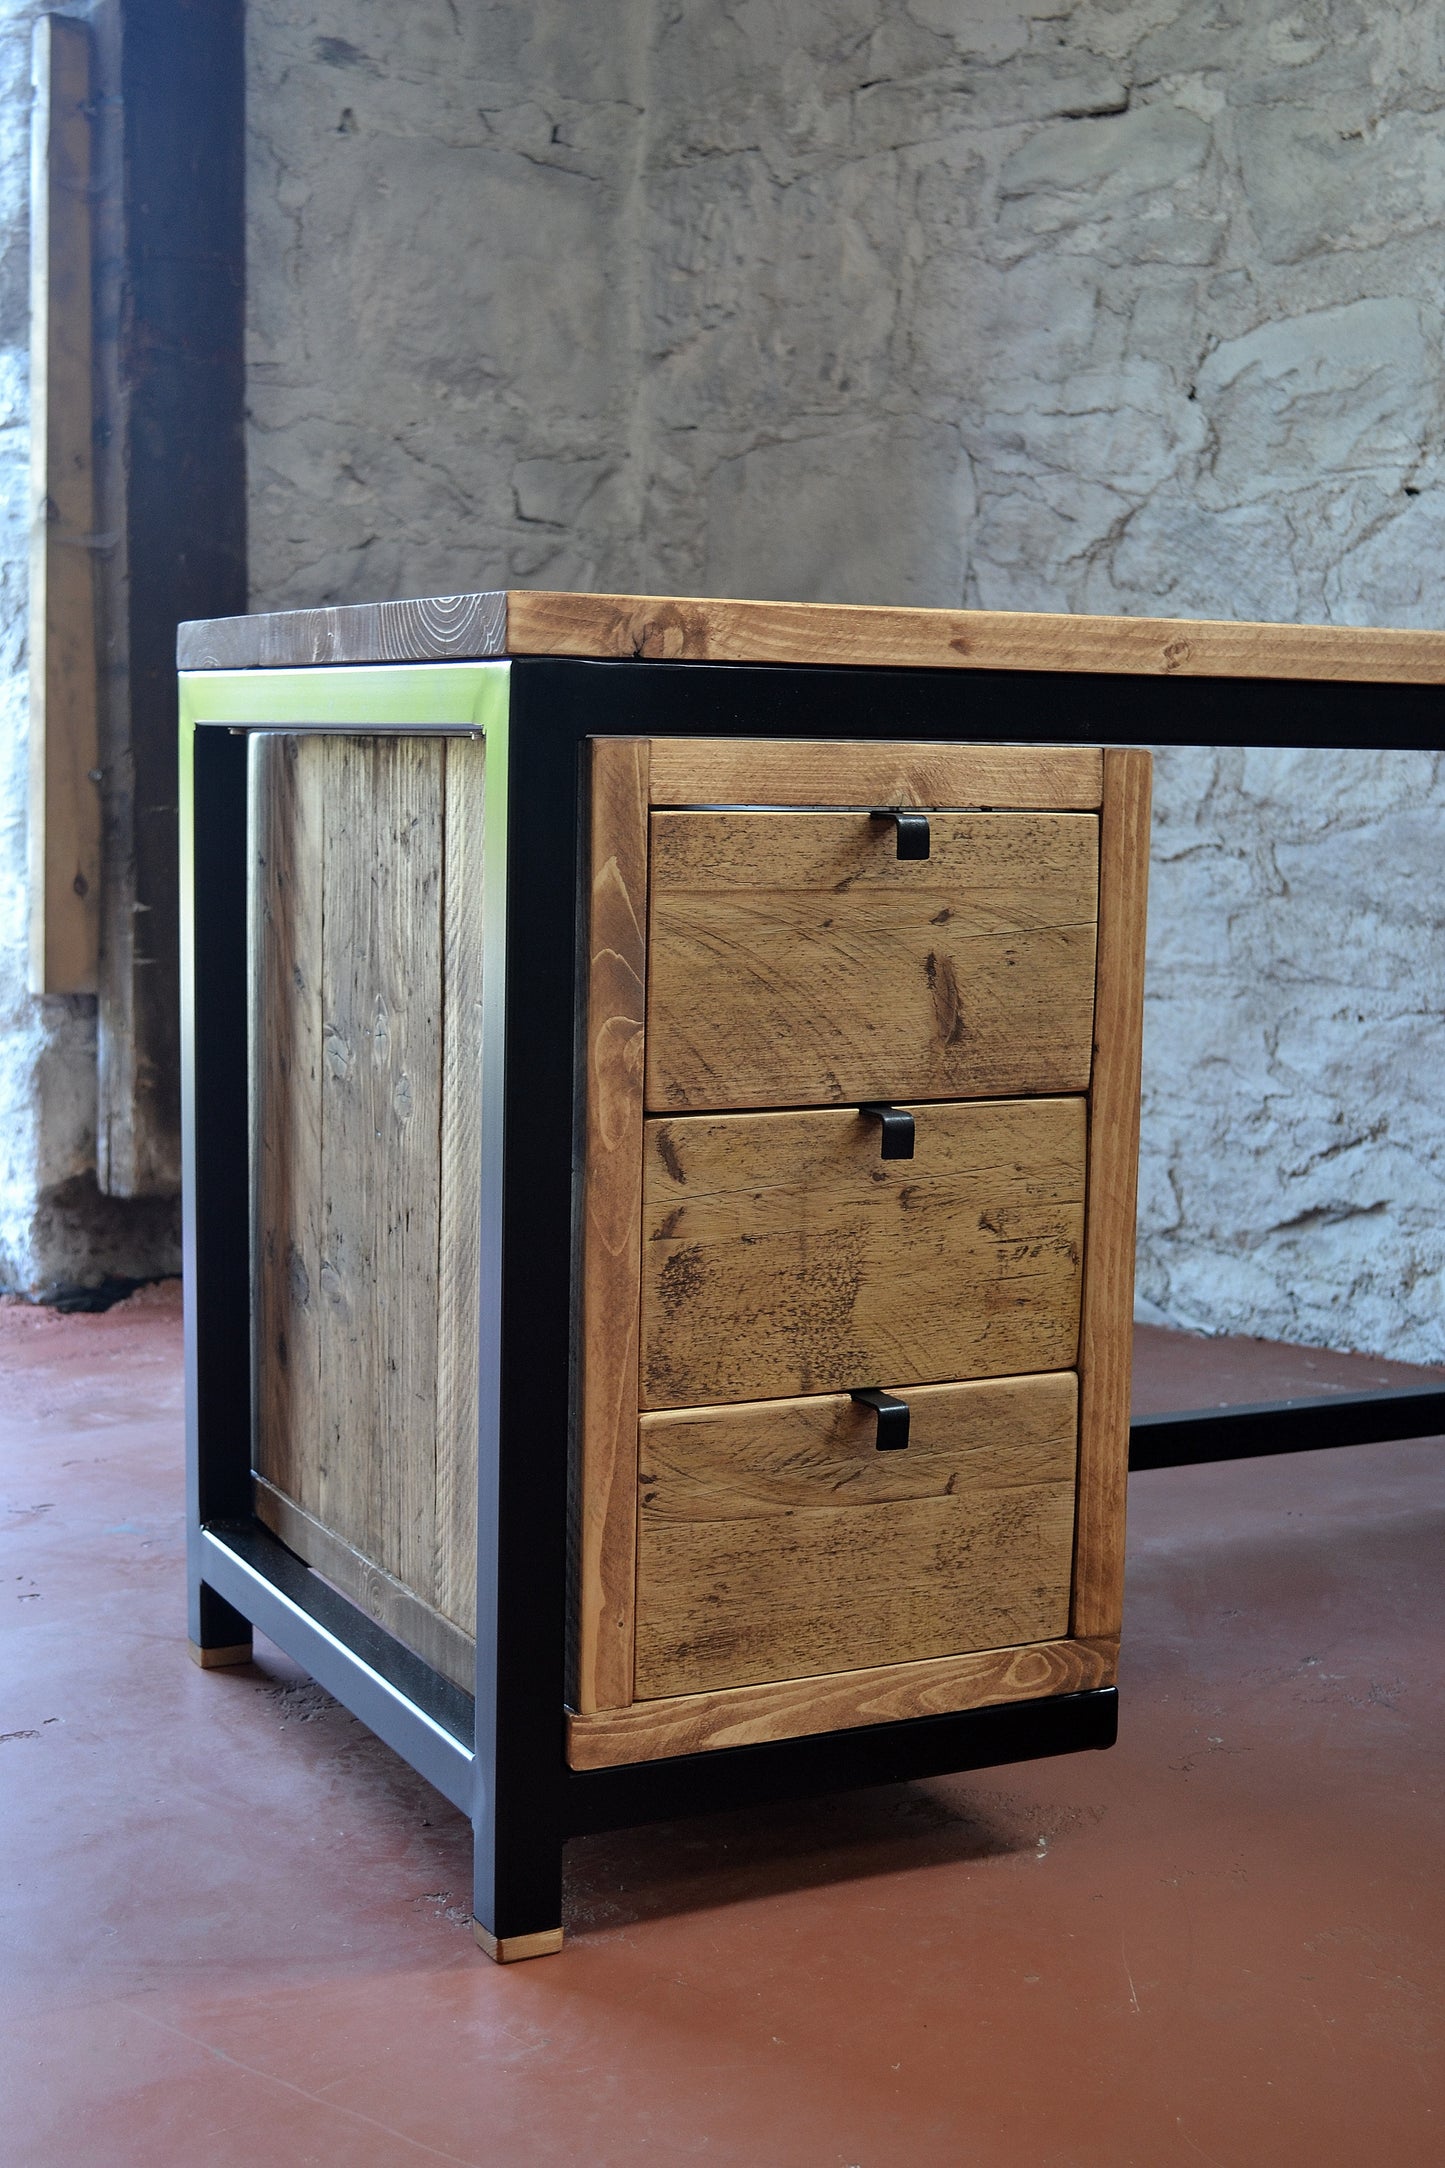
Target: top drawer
796, 960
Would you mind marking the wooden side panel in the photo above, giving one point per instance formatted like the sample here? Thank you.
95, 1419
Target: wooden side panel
1106, 1328
380, 1149
817, 1560
805, 772
796, 960
795, 1708
65, 812
782, 1254
459, 1255
288, 795
616, 943
437, 1640
366, 1126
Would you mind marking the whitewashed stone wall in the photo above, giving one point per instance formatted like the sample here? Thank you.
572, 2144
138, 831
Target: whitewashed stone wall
52, 1225
1109, 307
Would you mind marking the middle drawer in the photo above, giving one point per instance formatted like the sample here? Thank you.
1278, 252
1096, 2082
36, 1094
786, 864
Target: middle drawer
782, 1255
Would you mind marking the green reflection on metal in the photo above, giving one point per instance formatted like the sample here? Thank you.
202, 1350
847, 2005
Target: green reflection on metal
384, 697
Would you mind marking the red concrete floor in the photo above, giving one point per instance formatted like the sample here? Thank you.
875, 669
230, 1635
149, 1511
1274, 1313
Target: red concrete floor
236, 1927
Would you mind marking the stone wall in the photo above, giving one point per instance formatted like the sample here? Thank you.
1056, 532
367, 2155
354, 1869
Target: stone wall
58, 1233
1103, 307
47, 1048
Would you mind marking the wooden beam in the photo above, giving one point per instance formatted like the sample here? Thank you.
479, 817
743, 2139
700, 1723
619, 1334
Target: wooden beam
612, 1040
170, 327
1109, 1227
666, 628
838, 1701
752, 771
65, 891
669, 628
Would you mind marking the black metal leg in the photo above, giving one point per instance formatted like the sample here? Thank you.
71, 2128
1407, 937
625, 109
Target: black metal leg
517, 1882
219, 1635
524, 1332
517, 1811
215, 1219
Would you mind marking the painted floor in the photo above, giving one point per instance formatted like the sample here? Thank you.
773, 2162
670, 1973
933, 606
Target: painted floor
235, 1928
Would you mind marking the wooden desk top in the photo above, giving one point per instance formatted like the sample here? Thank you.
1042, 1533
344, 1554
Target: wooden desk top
628, 628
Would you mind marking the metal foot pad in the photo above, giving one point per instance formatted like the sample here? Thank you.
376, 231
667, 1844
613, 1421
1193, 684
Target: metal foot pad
507, 1949
218, 1659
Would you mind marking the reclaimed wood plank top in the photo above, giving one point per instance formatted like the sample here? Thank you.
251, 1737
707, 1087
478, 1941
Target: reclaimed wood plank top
524, 621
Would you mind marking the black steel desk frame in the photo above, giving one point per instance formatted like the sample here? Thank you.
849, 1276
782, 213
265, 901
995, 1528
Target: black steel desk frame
500, 1756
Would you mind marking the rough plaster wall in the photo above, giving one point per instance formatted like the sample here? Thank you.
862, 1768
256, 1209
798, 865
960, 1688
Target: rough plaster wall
440, 314
1092, 307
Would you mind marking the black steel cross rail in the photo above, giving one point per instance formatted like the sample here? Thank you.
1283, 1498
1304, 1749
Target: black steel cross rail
1250, 1432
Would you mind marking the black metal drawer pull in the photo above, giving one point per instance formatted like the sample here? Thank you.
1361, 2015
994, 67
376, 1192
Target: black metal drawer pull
892, 1433
897, 1129
914, 840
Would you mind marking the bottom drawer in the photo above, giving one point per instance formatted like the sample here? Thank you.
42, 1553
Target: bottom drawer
776, 1542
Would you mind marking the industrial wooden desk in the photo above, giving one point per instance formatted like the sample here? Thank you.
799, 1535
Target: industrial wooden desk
661, 1101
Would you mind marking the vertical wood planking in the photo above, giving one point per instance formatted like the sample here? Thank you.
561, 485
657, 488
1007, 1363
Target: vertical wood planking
381, 1093
1105, 1346
346, 1247
459, 1263
64, 718
288, 779
611, 1221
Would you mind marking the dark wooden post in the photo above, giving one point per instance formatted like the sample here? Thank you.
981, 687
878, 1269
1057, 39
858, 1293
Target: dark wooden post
170, 327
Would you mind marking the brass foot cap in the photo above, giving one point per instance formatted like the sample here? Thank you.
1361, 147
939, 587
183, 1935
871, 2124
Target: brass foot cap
507, 1949
218, 1659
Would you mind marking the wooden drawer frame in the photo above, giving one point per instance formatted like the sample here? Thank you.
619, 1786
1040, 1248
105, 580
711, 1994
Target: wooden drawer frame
629, 777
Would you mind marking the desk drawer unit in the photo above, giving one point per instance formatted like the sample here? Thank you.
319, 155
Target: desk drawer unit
860, 1112
661, 1114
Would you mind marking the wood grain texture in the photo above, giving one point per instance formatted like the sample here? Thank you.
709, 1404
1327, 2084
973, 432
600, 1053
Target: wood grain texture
693, 629
438, 628
884, 1567
381, 1092
796, 960
796, 1708
458, 1273
287, 801
612, 1037
64, 742
756, 1461
365, 928
436, 1639
805, 772
675, 629
1106, 1328
781, 1254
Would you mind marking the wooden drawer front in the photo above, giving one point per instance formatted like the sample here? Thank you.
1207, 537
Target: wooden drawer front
796, 960
775, 1541
782, 1254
